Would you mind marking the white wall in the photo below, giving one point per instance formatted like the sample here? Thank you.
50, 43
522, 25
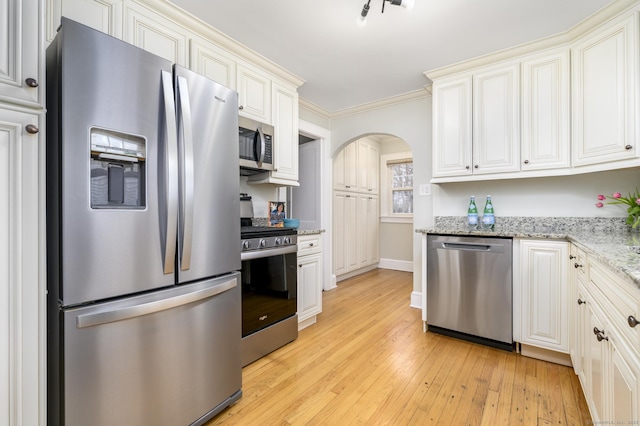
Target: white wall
564, 196
261, 195
411, 122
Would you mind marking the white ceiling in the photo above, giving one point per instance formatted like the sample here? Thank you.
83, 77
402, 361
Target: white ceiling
345, 65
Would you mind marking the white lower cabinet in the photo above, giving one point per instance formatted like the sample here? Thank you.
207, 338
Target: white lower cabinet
607, 351
309, 279
544, 307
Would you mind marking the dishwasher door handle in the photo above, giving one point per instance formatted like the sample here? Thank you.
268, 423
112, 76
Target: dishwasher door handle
466, 246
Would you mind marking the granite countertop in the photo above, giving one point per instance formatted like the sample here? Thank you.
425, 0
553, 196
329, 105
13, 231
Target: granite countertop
604, 239
310, 231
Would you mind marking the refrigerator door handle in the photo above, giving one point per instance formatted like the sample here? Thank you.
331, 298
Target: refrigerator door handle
187, 181
171, 176
100, 318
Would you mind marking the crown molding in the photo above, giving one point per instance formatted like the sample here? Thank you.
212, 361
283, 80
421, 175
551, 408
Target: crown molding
382, 103
201, 28
607, 13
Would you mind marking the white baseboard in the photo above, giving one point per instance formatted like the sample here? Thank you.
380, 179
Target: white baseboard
416, 300
398, 265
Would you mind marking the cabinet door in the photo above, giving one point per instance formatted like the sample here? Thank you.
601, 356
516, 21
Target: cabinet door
345, 176
362, 231
155, 33
625, 383
604, 73
285, 122
598, 395
20, 291
19, 52
344, 232
368, 167
215, 63
102, 15
452, 131
496, 120
309, 286
254, 92
545, 112
583, 337
544, 274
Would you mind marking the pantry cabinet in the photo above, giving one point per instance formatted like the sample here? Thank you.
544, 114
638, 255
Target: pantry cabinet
604, 84
309, 279
544, 274
345, 232
345, 169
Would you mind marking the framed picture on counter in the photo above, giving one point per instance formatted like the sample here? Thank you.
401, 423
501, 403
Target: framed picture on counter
276, 213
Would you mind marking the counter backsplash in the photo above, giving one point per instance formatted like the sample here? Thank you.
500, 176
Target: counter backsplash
541, 224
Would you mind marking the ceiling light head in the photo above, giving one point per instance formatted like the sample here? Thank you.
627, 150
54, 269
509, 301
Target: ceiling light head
362, 19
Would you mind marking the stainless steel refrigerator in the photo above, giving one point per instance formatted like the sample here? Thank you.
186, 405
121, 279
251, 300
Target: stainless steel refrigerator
143, 237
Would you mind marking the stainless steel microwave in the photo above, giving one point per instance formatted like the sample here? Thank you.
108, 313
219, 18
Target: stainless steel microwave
256, 146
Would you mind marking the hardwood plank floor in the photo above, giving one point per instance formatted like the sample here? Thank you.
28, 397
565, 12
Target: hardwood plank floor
367, 361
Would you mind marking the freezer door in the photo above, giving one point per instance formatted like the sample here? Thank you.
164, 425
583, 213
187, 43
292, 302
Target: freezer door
209, 219
108, 207
167, 358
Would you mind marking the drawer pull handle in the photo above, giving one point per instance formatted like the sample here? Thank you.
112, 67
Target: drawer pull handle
628, 147
599, 334
580, 302
310, 244
571, 256
31, 82
577, 265
632, 321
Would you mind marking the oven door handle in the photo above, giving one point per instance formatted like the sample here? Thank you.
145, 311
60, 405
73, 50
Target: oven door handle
259, 254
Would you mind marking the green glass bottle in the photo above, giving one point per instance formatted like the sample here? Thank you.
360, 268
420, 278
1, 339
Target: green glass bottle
488, 218
472, 214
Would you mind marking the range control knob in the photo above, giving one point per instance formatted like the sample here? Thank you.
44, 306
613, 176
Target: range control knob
278, 241
245, 245
263, 243
287, 240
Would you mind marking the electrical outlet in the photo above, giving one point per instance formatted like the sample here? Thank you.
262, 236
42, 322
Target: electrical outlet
424, 189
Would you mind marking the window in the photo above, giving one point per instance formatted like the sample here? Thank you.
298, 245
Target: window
396, 187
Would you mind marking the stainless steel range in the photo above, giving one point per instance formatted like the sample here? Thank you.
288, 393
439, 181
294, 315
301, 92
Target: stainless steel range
269, 286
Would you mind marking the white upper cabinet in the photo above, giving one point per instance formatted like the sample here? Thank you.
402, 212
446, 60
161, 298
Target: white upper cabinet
368, 167
545, 111
345, 167
496, 119
102, 15
254, 91
452, 129
212, 62
476, 122
20, 73
285, 122
155, 33
604, 79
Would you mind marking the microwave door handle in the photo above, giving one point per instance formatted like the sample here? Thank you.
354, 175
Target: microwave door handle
259, 142
170, 183
187, 181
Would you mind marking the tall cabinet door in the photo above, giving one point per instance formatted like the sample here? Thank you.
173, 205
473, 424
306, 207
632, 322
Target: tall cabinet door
452, 131
20, 75
344, 232
496, 120
285, 121
20, 292
604, 85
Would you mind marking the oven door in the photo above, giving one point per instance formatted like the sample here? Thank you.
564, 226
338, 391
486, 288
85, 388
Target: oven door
269, 287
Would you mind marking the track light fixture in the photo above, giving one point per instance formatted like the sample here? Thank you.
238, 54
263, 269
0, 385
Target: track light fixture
362, 19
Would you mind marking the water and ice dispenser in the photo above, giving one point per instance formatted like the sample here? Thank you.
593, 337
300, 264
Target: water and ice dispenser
117, 170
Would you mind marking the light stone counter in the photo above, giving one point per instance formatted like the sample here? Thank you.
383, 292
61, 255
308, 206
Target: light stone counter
606, 239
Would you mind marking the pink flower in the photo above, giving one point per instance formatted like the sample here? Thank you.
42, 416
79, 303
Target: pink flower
638, 201
601, 197
599, 205
617, 195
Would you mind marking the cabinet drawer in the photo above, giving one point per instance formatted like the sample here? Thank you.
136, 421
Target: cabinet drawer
620, 299
309, 244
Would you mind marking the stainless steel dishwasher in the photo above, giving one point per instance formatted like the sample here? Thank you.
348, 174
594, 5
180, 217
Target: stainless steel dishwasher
469, 288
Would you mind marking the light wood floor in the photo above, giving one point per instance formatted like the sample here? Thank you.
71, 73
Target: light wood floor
367, 361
